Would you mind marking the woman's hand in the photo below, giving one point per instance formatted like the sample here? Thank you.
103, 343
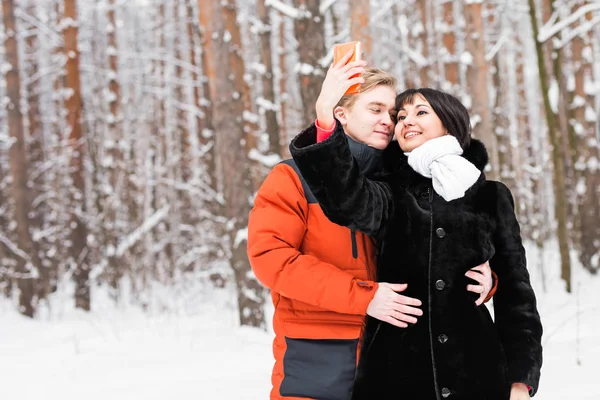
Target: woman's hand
337, 81
519, 391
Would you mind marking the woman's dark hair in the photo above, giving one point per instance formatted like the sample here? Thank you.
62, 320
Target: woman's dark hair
449, 109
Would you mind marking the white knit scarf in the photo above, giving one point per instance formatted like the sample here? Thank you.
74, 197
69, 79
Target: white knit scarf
440, 159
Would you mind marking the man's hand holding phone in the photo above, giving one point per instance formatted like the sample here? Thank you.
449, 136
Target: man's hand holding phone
343, 75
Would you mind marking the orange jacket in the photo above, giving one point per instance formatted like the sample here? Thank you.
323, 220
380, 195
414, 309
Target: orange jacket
321, 280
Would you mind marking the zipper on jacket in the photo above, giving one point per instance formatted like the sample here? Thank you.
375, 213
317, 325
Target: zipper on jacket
354, 245
430, 296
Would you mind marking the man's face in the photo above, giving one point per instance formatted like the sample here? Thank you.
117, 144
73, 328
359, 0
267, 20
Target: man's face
371, 119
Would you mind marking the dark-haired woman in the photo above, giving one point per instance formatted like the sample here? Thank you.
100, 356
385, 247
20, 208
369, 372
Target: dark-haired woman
434, 214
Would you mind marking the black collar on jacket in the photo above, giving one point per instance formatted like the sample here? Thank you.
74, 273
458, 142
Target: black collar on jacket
369, 159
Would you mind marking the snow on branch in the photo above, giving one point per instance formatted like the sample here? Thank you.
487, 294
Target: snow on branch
383, 10
413, 55
326, 5
269, 160
416, 57
240, 236
288, 10
192, 256
497, 46
14, 248
552, 27
147, 226
41, 26
327, 59
579, 31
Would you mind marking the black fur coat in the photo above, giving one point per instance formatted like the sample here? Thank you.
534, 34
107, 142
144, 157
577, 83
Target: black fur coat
455, 350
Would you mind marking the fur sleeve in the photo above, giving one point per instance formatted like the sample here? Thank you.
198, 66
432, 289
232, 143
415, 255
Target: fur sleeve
346, 196
516, 314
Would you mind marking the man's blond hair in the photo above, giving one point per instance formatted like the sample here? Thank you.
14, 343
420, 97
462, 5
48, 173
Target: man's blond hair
373, 77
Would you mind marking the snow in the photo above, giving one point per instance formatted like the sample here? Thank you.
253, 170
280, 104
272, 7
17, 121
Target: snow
188, 345
265, 104
325, 5
552, 27
466, 58
122, 353
5, 67
240, 237
287, 10
553, 93
305, 69
13, 247
269, 160
137, 234
251, 117
260, 68
226, 37
578, 101
207, 133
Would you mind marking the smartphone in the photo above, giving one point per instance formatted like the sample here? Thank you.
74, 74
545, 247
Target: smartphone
340, 50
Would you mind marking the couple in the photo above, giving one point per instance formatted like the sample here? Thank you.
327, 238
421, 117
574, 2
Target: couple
420, 210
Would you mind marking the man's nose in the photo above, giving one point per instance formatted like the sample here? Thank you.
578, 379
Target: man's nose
387, 119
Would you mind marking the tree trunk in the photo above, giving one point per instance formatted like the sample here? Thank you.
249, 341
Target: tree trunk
78, 229
112, 204
449, 47
283, 91
425, 14
58, 183
586, 150
226, 65
502, 121
360, 15
207, 133
519, 140
26, 264
566, 134
193, 32
310, 33
181, 121
165, 194
191, 27
560, 201
268, 108
7, 272
113, 63
47, 278
477, 75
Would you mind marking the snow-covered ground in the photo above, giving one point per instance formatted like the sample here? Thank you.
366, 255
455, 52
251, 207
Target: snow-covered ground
197, 351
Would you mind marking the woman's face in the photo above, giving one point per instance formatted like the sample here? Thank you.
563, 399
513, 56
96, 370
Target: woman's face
417, 123
372, 118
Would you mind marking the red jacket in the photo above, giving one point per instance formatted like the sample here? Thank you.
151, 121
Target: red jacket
321, 280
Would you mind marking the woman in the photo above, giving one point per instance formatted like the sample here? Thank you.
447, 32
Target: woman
434, 214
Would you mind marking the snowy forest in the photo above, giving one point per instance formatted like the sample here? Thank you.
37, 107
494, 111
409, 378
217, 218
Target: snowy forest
135, 133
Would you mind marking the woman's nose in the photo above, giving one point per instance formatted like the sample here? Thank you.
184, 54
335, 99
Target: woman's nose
408, 120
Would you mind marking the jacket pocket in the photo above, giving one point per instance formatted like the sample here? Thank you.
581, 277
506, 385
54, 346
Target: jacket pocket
320, 359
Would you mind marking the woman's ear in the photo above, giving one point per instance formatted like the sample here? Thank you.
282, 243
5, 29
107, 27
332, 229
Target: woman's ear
340, 114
